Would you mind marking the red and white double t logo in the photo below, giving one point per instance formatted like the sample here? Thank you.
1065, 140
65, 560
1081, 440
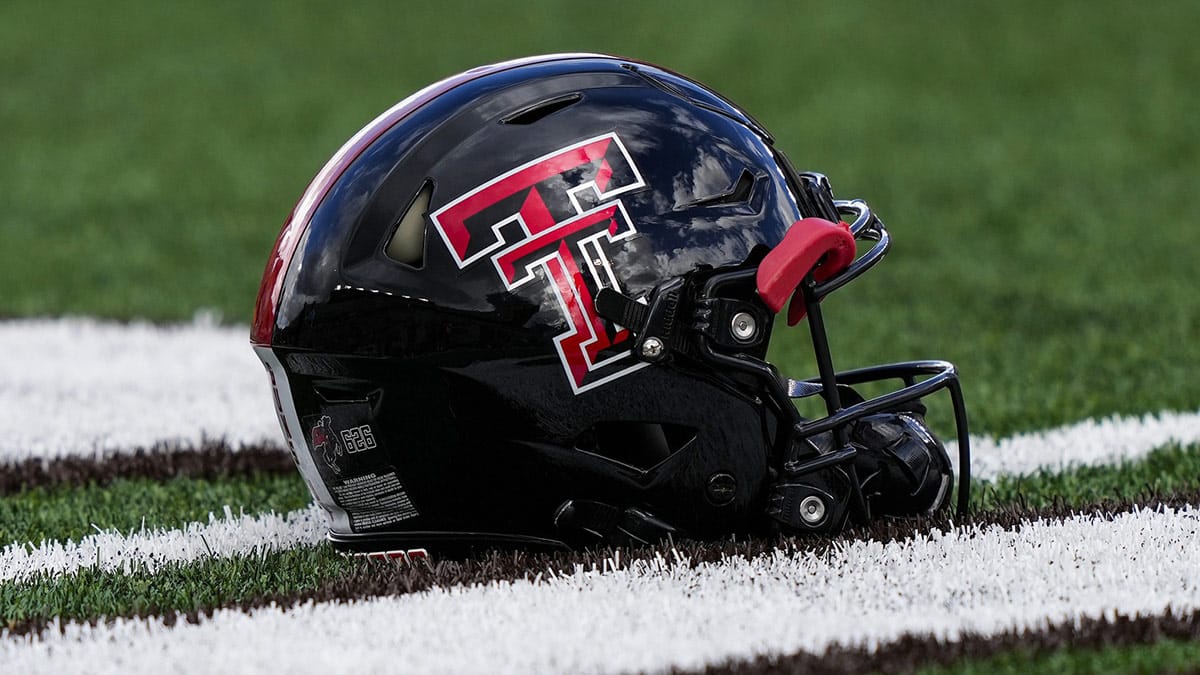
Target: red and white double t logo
552, 221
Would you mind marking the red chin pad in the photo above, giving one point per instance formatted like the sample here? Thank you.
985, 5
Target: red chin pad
806, 242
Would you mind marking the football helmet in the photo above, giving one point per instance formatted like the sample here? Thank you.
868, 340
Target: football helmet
530, 305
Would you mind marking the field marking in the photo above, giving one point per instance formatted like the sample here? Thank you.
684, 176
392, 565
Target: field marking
96, 388
1111, 440
656, 614
224, 537
86, 387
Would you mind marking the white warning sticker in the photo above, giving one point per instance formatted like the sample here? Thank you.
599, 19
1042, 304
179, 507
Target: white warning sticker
374, 500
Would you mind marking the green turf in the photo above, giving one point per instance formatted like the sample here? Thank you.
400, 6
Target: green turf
1034, 161
186, 586
183, 587
1163, 656
67, 513
1163, 472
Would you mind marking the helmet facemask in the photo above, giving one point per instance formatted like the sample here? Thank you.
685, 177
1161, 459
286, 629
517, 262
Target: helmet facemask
865, 458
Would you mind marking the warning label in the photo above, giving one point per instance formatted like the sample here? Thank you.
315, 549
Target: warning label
374, 501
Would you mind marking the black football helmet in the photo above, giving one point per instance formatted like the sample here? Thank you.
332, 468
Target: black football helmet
530, 305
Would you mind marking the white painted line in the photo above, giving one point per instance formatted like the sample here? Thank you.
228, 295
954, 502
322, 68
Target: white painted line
1088, 443
1107, 441
219, 537
82, 387
659, 614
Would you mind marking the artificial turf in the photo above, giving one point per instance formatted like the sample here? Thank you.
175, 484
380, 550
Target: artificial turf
134, 504
261, 577
1034, 162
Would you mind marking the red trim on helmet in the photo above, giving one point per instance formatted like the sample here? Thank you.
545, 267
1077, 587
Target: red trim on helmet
812, 244
263, 326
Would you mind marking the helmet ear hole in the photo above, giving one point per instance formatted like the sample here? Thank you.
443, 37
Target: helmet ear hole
407, 243
641, 445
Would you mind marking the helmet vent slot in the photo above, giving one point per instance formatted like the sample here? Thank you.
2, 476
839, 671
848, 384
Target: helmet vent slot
407, 243
738, 193
543, 109
641, 445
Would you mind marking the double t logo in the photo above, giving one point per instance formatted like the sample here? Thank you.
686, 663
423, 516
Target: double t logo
553, 221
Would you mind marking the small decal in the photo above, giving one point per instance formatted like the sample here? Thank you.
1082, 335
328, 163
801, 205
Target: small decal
410, 556
374, 500
325, 443
358, 439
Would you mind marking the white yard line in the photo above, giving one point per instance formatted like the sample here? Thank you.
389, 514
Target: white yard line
231, 535
220, 537
82, 387
1088, 443
657, 614
85, 387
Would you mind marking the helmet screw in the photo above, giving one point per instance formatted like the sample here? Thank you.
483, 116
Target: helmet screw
812, 509
652, 348
722, 488
743, 326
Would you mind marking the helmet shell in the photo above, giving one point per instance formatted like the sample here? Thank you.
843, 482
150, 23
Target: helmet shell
471, 389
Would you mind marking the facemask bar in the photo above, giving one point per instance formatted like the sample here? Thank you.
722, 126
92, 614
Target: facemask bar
688, 316
940, 374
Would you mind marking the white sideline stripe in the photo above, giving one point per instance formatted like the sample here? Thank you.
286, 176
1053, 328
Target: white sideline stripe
94, 388
659, 614
219, 537
233, 536
1111, 440
83, 387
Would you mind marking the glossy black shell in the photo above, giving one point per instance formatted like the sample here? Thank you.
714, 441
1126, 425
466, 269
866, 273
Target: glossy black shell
459, 378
